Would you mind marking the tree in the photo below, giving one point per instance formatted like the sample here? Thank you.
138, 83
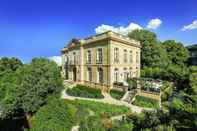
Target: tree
177, 53
38, 80
9, 64
25, 90
152, 53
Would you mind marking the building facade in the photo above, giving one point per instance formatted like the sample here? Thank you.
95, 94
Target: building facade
102, 60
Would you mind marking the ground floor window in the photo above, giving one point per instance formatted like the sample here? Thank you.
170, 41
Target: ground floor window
116, 75
89, 74
100, 75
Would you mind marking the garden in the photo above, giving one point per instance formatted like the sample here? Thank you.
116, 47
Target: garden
146, 102
84, 91
61, 115
117, 94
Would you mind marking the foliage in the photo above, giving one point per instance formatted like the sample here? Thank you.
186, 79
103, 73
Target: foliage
99, 108
61, 115
117, 94
27, 88
55, 116
166, 90
9, 64
92, 123
132, 83
145, 102
122, 125
177, 53
193, 79
38, 80
152, 53
84, 91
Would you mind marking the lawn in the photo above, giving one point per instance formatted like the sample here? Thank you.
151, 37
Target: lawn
116, 94
84, 91
146, 102
61, 115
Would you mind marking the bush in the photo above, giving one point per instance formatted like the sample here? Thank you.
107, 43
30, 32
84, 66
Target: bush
117, 94
84, 91
146, 102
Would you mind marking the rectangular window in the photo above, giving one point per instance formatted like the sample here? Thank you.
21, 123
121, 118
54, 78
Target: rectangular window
89, 74
99, 56
74, 58
125, 56
89, 58
116, 55
137, 57
131, 57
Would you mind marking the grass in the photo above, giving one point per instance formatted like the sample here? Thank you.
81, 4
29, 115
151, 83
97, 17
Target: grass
84, 91
146, 102
117, 94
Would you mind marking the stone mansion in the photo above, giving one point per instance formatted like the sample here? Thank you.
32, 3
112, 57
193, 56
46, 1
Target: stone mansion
101, 60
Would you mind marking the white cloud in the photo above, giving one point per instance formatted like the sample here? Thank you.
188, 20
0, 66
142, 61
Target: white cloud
121, 29
154, 23
57, 59
191, 26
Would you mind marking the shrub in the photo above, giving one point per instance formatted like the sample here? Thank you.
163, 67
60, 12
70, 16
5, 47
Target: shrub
146, 102
117, 94
84, 91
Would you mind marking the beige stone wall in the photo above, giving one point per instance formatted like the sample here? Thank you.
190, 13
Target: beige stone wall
121, 64
107, 41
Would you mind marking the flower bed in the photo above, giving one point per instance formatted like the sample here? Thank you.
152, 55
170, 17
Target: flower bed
84, 91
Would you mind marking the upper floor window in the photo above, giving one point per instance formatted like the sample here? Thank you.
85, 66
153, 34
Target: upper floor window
137, 57
89, 58
131, 56
116, 55
125, 56
99, 55
74, 58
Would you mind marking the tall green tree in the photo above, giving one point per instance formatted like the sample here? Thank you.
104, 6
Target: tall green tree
177, 53
152, 53
9, 64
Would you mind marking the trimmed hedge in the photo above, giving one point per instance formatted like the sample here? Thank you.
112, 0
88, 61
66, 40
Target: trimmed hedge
116, 94
84, 91
146, 102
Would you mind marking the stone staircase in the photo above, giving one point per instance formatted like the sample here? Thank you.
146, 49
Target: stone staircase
129, 95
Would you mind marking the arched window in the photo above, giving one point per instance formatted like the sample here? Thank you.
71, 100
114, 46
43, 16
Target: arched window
100, 75
116, 55
125, 56
89, 74
116, 75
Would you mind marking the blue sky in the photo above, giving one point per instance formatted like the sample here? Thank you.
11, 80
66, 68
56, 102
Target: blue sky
40, 28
